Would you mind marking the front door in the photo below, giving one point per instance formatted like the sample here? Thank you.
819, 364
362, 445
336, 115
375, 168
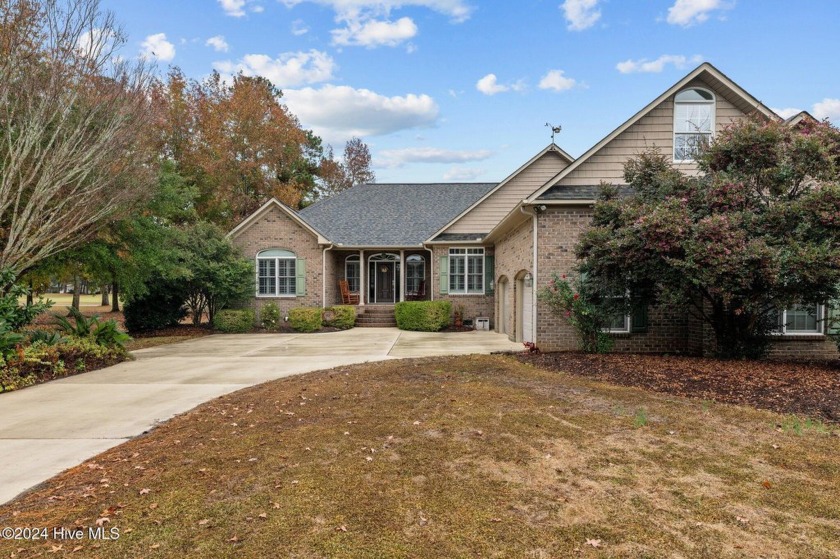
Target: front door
384, 285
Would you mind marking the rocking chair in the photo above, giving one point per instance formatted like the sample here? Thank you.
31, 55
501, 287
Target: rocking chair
347, 297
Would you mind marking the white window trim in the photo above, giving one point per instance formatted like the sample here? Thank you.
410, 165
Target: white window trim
276, 294
411, 261
627, 321
712, 127
466, 255
353, 259
820, 331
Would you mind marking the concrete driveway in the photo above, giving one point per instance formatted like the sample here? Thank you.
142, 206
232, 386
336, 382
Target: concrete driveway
48, 428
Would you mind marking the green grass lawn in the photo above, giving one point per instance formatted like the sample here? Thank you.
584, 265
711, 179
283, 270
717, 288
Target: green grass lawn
66, 299
477, 456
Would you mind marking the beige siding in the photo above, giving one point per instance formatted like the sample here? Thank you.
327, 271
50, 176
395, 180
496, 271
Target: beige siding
495, 207
654, 129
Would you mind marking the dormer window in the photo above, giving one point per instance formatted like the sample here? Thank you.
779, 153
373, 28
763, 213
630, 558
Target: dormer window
694, 118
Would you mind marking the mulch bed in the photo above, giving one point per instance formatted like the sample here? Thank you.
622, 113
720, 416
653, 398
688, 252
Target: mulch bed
181, 330
808, 389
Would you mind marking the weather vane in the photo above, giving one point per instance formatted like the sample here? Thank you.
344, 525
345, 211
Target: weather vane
554, 130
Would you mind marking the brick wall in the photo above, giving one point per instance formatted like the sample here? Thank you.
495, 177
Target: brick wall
276, 230
474, 305
514, 254
558, 231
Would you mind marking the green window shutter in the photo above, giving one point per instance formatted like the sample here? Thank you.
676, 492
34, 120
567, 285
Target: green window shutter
444, 274
489, 274
639, 320
300, 282
833, 326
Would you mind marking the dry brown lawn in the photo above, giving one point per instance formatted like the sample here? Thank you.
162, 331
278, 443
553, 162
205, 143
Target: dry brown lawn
452, 457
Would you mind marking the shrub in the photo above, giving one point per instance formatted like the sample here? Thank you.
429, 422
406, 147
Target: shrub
342, 317
306, 319
45, 337
234, 321
423, 316
588, 319
161, 307
11, 311
81, 326
270, 316
9, 339
108, 334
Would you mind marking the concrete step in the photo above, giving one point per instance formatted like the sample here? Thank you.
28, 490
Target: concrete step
375, 325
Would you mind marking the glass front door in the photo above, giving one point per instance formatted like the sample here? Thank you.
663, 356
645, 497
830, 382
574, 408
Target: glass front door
383, 281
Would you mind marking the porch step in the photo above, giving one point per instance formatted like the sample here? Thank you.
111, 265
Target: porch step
376, 317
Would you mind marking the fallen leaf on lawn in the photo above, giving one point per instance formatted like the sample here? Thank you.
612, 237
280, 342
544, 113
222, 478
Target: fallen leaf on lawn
77, 548
341, 528
766, 484
776, 446
262, 515
102, 521
276, 505
203, 522
416, 423
55, 548
234, 539
741, 519
128, 530
368, 458
153, 506
593, 543
144, 491
154, 546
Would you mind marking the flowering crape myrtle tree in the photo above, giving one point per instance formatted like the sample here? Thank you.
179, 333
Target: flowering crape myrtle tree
756, 231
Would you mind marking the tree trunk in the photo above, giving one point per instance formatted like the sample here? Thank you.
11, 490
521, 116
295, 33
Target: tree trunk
77, 288
30, 298
115, 297
105, 300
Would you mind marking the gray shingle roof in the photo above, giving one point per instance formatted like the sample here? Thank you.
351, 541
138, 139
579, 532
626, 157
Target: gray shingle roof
582, 192
391, 215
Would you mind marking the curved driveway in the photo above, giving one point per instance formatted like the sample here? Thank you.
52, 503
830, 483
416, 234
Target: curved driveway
48, 428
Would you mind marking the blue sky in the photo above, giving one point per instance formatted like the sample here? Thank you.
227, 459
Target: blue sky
460, 90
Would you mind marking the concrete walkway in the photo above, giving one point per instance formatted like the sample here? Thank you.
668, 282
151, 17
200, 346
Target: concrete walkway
48, 428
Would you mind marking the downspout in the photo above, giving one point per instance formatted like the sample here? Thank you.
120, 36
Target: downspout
534, 268
324, 275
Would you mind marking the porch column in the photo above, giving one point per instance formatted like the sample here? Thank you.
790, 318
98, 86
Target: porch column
402, 275
362, 284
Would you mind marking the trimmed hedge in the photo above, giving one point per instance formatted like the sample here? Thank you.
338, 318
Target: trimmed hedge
234, 321
306, 319
161, 307
423, 316
270, 316
342, 317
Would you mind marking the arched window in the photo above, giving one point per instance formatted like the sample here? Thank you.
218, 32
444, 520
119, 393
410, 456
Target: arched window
694, 121
276, 273
352, 269
415, 273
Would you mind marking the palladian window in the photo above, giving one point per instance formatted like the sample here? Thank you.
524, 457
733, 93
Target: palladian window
276, 273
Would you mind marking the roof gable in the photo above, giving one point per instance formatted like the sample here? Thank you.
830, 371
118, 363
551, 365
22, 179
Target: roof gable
468, 222
275, 203
745, 102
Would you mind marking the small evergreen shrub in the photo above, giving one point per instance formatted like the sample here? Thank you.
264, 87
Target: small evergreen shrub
162, 307
423, 316
270, 316
342, 317
234, 321
306, 319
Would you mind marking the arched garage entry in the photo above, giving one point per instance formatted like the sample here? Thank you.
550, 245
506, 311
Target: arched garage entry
524, 308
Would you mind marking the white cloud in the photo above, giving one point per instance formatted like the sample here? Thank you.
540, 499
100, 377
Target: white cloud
489, 85
337, 113
299, 28
290, 69
643, 65
692, 12
556, 81
581, 14
218, 43
457, 10
787, 112
392, 158
374, 33
462, 174
156, 46
827, 108
234, 8
95, 42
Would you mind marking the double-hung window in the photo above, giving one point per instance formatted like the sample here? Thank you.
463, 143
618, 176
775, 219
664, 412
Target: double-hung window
466, 271
694, 118
801, 320
276, 273
352, 268
618, 322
